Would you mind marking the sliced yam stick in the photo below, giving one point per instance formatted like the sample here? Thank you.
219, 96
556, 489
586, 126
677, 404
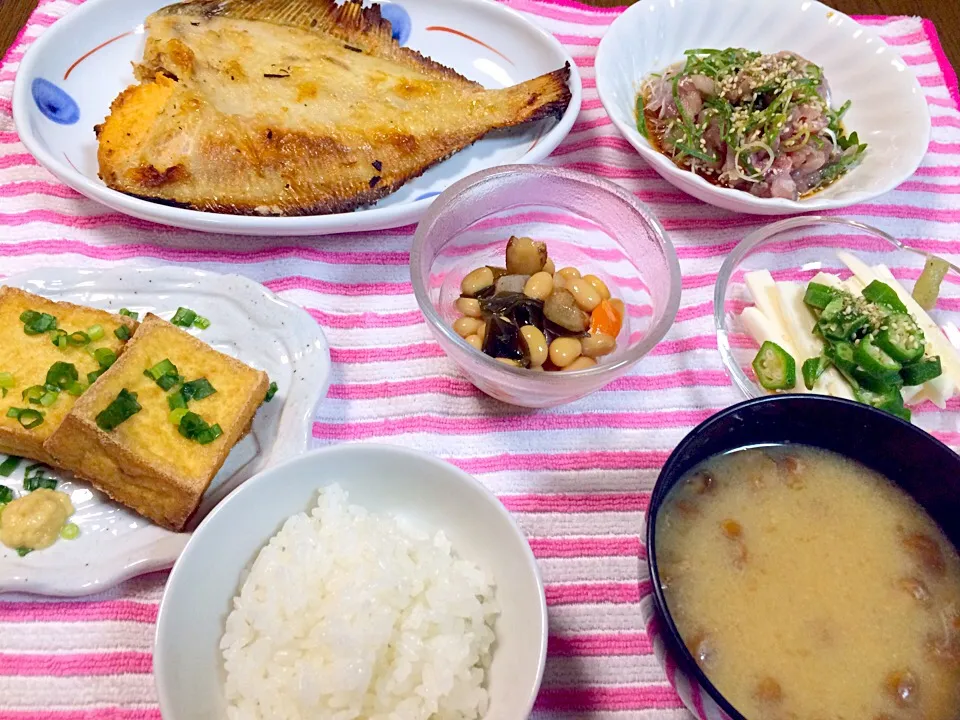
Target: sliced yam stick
764, 292
858, 267
798, 320
853, 286
762, 330
914, 395
827, 279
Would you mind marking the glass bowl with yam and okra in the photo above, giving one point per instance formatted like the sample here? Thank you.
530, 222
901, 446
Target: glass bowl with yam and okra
836, 307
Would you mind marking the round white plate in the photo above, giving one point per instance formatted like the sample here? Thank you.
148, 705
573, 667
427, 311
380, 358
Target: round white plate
248, 322
889, 110
72, 73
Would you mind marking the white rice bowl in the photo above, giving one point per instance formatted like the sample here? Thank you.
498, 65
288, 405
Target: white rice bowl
348, 614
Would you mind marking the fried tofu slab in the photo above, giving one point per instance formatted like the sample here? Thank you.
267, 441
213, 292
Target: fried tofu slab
294, 107
145, 462
29, 357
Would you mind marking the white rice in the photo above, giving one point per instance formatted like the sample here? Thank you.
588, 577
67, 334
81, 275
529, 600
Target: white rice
349, 614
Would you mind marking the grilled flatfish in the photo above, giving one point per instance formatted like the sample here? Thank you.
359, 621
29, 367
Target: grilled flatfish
294, 107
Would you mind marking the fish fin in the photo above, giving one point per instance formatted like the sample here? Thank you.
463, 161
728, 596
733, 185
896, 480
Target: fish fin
305, 14
363, 29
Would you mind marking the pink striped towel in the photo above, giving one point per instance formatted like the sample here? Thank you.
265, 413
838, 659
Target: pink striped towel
583, 511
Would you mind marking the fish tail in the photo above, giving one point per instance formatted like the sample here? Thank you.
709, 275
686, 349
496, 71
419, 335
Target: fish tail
544, 96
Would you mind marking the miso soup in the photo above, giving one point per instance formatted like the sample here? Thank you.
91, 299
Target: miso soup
809, 587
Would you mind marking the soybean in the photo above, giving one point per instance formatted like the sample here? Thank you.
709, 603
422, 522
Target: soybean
469, 307
581, 363
539, 286
564, 350
475, 341
477, 281
597, 345
536, 344
467, 326
585, 294
599, 285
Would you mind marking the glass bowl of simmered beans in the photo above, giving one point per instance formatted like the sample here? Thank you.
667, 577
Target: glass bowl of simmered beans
543, 284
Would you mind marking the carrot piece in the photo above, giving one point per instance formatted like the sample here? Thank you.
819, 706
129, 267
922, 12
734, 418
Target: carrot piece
605, 319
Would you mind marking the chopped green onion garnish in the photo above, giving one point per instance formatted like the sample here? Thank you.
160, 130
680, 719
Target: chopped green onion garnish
76, 389
205, 437
201, 323
49, 399
105, 357
184, 317
28, 417
194, 427
120, 410
176, 416
197, 389
7, 381
168, 381
95, 332
33, 394
93, 375
164, 374
8, 466
6, 494
129, 313
271, 391
70, 531
641, 116
122, 333
176, 400
58, 338
164, 367
34, 478
62, 374
23, 552
78, 338
13, 412
35, 323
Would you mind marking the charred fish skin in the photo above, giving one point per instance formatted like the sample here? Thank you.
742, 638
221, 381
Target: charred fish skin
267, 107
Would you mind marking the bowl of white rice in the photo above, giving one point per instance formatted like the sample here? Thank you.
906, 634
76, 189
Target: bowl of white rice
358, 581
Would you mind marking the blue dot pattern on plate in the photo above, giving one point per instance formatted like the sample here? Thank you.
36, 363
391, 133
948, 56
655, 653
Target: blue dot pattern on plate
427, 195
54, 103
399, 20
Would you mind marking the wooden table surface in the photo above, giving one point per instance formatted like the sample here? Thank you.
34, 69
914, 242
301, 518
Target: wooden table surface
945, 13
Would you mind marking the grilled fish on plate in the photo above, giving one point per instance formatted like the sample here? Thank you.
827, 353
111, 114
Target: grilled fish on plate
294, 107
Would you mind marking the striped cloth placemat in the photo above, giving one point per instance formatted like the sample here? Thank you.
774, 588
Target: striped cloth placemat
577, 477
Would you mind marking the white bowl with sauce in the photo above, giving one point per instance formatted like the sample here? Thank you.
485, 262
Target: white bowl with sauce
889, 110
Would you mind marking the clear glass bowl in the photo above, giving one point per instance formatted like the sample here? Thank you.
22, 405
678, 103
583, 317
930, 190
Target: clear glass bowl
799, 248
586, 222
